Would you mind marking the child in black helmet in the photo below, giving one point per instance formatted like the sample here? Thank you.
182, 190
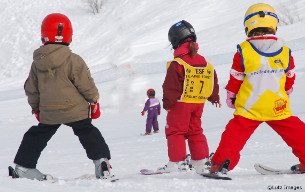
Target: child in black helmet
190, 81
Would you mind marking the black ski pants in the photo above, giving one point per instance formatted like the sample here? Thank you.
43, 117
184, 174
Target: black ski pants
37, 137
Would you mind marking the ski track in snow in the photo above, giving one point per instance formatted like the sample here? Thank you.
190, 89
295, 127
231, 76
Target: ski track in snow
126, 48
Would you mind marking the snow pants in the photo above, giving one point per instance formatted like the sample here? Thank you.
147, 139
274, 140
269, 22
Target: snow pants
152, 120
37, 137
239, 130
184, 122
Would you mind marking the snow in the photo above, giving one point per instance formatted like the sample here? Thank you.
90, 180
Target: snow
126, 48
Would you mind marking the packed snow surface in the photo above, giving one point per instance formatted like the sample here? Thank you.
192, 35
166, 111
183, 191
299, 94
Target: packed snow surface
126, 48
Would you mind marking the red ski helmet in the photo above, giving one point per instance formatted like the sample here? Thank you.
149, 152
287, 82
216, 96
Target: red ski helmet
56, 28
151, 92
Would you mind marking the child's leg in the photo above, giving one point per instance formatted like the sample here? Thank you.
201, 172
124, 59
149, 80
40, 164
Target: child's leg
33, 143
292, 130
91, 139
149, 122
155, 122
196, 139
233, 139
176, 129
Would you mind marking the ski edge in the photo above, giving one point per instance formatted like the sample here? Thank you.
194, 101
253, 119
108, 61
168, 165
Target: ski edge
215, 176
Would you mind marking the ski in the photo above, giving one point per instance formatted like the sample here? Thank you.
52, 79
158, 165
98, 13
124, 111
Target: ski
215, 176
150, 172
89, 177
207, 175
143, 134
152, 133
264, 170
49, 178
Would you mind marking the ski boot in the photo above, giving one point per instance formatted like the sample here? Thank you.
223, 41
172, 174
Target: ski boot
201, 166
102, 168
220, 169
181, 166
33, 174
298, 168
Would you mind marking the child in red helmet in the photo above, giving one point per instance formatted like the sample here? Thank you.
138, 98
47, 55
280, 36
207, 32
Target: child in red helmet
261, 81
60, 90
190, 81
153, 108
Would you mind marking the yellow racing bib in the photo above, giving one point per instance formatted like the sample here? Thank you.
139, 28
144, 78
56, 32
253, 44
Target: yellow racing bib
262, 95
198, 82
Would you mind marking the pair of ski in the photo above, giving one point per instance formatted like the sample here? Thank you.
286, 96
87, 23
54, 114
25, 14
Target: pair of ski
207, 175
12, 173
262, 169
220, 176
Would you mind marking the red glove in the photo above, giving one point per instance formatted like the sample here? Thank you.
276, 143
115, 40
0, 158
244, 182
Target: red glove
36, 113
143, 113
159, 112
95, 111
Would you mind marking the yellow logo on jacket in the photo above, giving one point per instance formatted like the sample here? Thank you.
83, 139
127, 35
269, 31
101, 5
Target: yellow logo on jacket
198, 82
262, 95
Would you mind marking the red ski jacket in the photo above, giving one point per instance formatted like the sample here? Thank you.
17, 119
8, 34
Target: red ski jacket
173, 83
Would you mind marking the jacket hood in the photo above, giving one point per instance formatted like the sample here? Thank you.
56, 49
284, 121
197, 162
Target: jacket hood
267, 44
51, 56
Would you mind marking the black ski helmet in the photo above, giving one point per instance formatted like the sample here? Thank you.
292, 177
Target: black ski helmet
179, 32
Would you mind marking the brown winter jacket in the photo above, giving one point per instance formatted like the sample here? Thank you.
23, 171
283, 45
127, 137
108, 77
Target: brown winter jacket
59, 85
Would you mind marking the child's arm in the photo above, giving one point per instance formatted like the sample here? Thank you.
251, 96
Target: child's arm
236, 74
236, 79
31, 89
214, 98
82, 80
159, 108
146, 107
290, 75
147, 104
172, 86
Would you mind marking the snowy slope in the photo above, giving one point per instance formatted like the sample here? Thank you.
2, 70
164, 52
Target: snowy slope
126, 48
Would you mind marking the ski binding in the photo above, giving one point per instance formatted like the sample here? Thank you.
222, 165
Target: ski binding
221, 174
